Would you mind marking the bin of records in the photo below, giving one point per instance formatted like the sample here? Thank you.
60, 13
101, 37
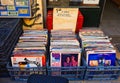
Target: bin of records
71, 73
65, 55
29, 55
102, 72
22, 73
99, 55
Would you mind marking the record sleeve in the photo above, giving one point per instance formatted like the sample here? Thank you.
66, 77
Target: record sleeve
28, 61
68, 59
101, 58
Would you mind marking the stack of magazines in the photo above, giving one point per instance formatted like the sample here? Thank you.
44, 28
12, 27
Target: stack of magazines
30, 51
64, 49
98, 49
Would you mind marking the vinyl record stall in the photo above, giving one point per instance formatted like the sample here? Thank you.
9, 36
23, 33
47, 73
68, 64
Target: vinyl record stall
46, 37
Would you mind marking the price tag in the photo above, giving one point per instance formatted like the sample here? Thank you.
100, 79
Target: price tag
23, 11
90, 1
12, 13
65, 18
10, 7
4, 13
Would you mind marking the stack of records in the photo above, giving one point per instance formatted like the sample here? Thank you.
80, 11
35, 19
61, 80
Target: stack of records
30, 51
10, 31
64, 49
98, 49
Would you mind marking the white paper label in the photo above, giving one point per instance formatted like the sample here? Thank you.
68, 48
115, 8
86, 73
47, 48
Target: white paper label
90, 1
65, 18
7, 2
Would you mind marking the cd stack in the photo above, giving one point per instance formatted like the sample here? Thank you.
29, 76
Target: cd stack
98, 50
64, 49
10, 31
30, 51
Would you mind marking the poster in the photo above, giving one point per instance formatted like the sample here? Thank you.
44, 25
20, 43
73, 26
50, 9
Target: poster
36, 21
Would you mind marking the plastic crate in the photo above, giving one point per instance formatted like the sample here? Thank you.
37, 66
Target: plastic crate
71, 73
22, 74
8, 37
3, 69
8, 29
102, 73
5, 56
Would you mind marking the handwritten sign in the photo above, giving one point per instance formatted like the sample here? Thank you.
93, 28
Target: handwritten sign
65, 18
90, 1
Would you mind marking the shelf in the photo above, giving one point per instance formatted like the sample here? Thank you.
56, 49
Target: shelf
74, 7
92, 12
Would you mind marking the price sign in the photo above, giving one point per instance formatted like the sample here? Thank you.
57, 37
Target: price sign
65, 18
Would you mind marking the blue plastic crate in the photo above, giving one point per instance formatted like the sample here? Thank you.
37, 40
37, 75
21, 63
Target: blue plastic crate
11, 40
10, 30
5, 58
7, 28
71, 73
22, 74
102, 73
8, 33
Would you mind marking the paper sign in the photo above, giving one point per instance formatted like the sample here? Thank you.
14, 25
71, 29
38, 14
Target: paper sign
65, 18
90, 1
12, 13
22, 3
10, 7
23, 11
7, 2
4, 13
